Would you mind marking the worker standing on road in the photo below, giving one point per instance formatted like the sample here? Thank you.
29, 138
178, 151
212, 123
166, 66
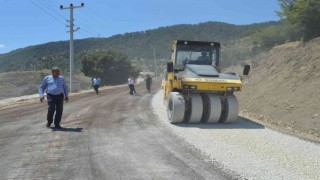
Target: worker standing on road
57, 91
134, 82
148, 83
96, 84
131, 85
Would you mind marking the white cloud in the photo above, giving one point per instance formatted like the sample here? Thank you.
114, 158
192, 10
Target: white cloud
2, 46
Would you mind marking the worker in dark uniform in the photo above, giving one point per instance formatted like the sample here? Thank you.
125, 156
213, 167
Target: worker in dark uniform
203, 59
148, 83
57, 91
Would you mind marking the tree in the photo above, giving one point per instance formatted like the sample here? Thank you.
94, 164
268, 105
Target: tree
112, 67
303, 14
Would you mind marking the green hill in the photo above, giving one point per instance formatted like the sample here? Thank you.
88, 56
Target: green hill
136, 45
14, 84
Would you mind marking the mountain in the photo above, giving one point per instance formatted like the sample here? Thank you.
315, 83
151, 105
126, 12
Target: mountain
136, 45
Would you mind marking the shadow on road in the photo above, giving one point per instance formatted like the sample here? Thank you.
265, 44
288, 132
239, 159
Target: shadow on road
241, 123
68, 129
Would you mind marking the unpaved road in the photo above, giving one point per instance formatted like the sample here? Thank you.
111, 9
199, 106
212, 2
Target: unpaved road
110, 136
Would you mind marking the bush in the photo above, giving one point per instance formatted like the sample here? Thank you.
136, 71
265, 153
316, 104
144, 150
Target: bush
112, 67
277, 35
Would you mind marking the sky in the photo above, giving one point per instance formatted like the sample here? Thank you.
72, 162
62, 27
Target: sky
31, 22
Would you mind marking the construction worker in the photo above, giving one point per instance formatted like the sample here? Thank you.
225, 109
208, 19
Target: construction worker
148, 83
96, 84
131, 85
57, 91
203, 59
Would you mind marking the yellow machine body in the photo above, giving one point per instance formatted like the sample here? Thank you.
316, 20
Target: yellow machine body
194, 88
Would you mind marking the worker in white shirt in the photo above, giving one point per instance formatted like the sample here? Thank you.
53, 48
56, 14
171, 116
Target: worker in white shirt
131, 85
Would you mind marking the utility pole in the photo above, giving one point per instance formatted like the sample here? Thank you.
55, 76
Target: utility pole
71, 7
155, 63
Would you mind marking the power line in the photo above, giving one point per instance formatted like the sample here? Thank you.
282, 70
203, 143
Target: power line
85, 17
47, 12
88, 30
72, 30
93, 17
97, 17
54, 6
85, 30
46, 7
49, 6
47, 2
84, 35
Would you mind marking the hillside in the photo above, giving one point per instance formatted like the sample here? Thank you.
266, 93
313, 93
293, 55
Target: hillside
136, 45
283, 88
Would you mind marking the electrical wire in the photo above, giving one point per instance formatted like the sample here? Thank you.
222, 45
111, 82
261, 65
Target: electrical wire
47, 12
91, 25
84, 35
49, 8
83, 29
97, 17
54, 5
92, 16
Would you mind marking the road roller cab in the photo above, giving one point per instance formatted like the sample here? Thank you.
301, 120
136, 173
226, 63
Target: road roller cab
195, 90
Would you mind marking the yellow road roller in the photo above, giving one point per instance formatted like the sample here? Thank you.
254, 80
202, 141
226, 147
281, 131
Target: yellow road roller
195, 90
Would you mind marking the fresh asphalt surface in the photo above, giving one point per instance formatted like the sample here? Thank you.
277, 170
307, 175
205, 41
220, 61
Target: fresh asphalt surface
109, 136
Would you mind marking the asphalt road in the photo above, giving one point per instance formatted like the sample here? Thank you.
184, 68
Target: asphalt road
109, 136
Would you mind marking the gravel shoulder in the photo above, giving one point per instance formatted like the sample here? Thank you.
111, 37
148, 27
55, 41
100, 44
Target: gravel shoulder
251, 150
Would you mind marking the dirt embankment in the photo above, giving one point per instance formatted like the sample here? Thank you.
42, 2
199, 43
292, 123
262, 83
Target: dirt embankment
283, 90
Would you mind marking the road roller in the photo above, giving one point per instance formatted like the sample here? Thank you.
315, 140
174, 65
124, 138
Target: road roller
195, 90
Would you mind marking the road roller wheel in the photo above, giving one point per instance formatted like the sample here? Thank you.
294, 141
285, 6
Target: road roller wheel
196, 108
230, 109
175, 108
211, 108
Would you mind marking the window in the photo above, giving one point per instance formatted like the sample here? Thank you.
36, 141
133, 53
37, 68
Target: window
195, 55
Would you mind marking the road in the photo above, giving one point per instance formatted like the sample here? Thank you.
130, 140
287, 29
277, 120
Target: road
109, 136
252, 150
